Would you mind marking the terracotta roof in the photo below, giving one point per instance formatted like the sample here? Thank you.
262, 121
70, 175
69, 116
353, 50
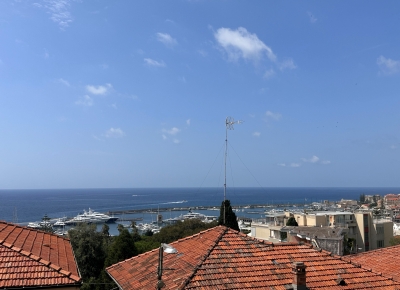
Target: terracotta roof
381, 261
33, 258
221, 258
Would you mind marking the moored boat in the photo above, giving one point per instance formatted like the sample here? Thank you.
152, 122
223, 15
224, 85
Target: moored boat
91, 216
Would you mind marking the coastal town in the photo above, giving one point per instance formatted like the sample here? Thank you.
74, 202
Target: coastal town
199, 145
317, 246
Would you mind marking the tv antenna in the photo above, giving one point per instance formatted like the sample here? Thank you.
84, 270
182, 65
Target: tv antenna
229, 122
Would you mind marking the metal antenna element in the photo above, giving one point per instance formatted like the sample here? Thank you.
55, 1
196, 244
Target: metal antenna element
229, 122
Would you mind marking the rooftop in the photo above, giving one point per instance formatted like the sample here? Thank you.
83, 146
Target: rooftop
221, 258
381, 261
33, 258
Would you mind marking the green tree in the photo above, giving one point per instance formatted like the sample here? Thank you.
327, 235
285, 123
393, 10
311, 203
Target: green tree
89, 250
230, 216
292, 222
122, 248
349, 245
135, 232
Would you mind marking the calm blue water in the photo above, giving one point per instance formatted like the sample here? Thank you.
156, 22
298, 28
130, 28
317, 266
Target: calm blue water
30, 205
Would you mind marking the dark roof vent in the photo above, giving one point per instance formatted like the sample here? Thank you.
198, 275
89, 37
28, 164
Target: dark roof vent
340, 281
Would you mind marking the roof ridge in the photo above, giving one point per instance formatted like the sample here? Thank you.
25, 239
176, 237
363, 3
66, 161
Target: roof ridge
208, 252
40, 260
31, 229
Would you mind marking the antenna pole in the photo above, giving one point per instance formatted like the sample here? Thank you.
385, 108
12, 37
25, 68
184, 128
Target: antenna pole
229, 122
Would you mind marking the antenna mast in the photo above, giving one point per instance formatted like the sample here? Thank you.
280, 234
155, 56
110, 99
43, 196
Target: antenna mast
229, 122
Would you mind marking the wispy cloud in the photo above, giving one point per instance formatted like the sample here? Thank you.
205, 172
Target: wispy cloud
294, 165
313, 159
173, 131
152, 62
287, 64
188, 122
269, 73
240, 43
256, 134
114, 133
166, 39
64, 82
316, 160
311, 17
85, 101
273, 116
59, 11
99, 90
388, 66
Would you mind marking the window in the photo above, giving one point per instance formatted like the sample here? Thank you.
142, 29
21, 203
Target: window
379, 244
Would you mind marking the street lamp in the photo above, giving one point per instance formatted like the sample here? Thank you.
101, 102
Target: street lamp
163, 248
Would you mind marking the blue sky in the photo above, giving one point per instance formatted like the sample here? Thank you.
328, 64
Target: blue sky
135, 93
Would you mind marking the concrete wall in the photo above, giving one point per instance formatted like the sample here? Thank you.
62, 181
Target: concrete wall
260, 231
332, 245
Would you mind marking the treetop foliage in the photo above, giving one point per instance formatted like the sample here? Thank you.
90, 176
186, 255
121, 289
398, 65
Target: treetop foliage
230, 216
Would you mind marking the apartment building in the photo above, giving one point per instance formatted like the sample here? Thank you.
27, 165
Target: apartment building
369, 233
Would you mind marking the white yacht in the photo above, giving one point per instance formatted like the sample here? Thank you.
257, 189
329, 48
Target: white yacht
91, 217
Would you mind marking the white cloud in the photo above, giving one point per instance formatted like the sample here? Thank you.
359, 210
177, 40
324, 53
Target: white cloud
85, 101
274, 116
99, 90
176, 141
59, 11
152, 62
166, 39
312, 17
269, 73
313, 159
388, 66
64, 82
188, 122
240, 43
287, 64
256, 134
164, 137
114, 106
295, 165
173, 131
114, 133
282, 164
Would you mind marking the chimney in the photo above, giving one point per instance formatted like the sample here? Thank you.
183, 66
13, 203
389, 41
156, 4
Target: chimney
299, 276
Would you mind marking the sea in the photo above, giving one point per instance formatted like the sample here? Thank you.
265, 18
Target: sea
30, 205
